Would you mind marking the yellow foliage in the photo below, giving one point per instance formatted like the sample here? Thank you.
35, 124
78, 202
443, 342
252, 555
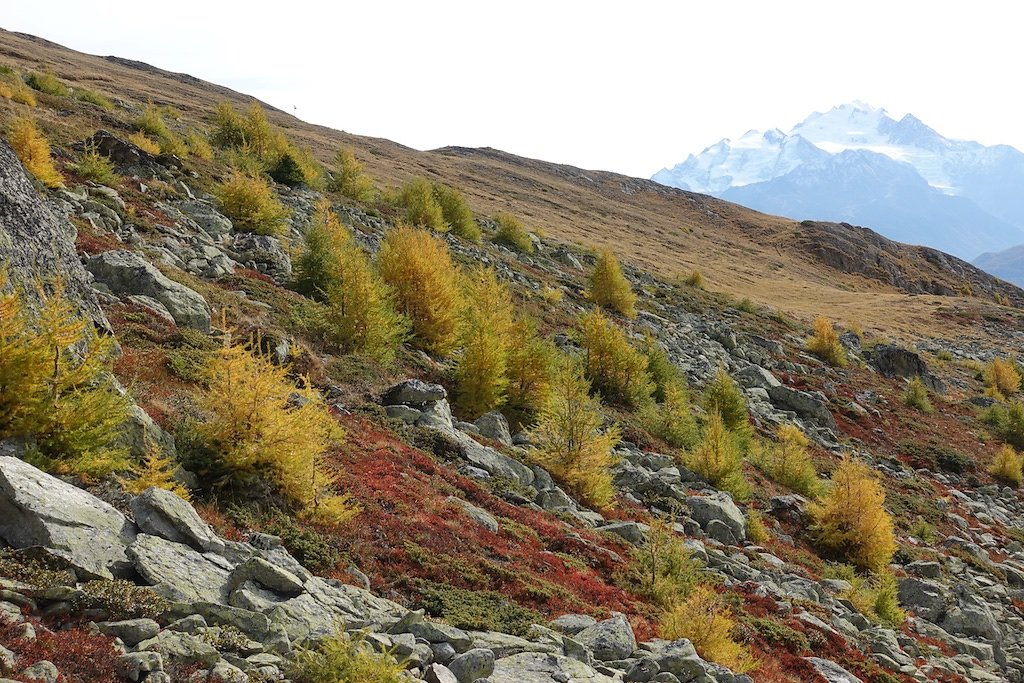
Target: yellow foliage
198, 146
157, 470
876, 598
151, 122
609, 288
1002, 378
18, 92
722, 396
615, 368
663, 569
851, 520
695, 279
34, 151
143, 142
568, 439
1006, 466
348, 178
512, 234
261, 424
258, 141
788, 462
251, 204
531, 362
705, 620
757, 532
361, 316
420, 270
456, 213
95, 167
484, 334
55, 385
719, 458
672, 420
916, 395
825, 343
47, 83
421, 209
342, 659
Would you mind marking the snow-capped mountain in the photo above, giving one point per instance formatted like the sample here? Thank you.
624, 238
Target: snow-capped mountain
856, 163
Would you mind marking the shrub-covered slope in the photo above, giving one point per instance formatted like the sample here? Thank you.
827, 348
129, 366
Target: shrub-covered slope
365, 428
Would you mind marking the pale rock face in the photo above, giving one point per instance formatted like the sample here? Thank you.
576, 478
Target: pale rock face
39, 510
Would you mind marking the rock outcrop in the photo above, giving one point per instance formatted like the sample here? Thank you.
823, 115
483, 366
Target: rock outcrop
36, 243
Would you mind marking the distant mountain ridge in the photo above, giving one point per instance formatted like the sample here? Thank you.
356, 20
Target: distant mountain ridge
856, 163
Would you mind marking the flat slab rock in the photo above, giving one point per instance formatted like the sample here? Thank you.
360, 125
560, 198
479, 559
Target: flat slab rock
39, 510
178, 572
538, 667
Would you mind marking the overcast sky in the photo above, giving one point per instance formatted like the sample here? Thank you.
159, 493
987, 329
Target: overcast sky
628, 87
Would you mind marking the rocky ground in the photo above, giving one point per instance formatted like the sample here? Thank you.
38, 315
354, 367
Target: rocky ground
158, 590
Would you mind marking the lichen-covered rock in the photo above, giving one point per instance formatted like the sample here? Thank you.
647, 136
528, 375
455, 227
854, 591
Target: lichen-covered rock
214, 223
539, 667
472, 665
494, 426
39, 510
832, 672
718, 506
179, 573
36, 243
264, 254
413, 392
131, 631
164, 514
610, 639
125, 272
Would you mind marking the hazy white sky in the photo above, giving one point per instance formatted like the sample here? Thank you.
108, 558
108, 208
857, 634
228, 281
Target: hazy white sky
623, 86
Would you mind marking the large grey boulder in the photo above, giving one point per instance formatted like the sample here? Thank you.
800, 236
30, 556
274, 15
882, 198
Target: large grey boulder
39, 510
677, 657
125, 272
164, 514
472, 665
539, 667
832, 672
263, 253
486, 458
610, 639
894, 361
214, 223
413, 392
179, 573
129, 158
36, 243
131, 631
493, 425
181, 648
927, 599
717, 506
808, 405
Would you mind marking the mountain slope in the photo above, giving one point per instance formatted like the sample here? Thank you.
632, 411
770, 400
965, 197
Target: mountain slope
471, 545
740, 252
919, 187
871, 189
1007, 264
